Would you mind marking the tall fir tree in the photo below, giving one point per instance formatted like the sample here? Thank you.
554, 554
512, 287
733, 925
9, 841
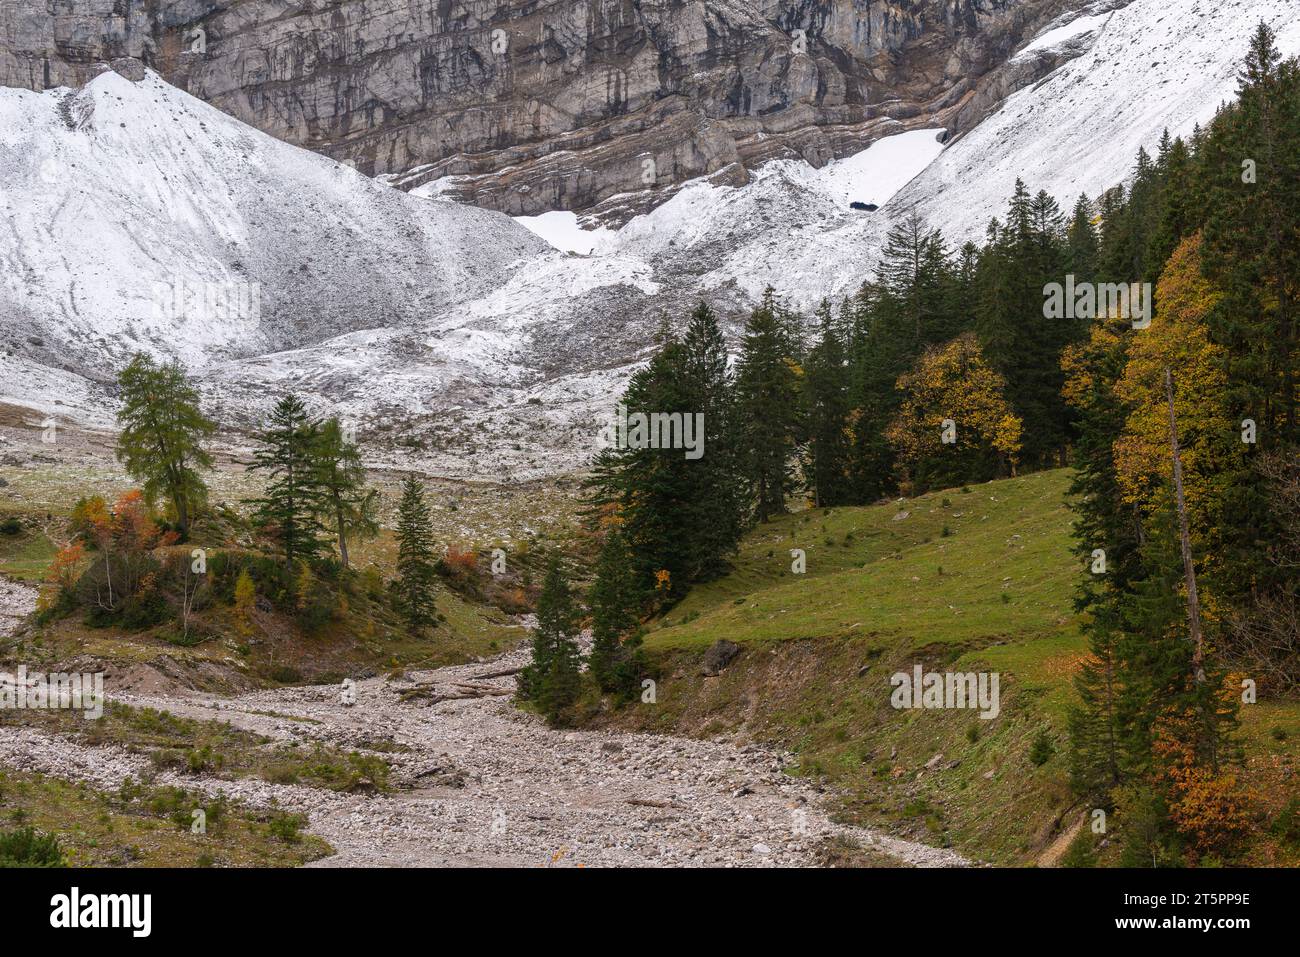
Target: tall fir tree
826, 416
614, 660
713, 502
1251, 164
767, 386
413, 589
289, 509
552, 680
1024, 255
661, 497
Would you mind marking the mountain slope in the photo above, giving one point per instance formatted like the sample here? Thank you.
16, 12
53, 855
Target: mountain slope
465, 343
551, 105
115, 194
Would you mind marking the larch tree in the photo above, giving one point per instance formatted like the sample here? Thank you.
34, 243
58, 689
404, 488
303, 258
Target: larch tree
349, 506
955, 424
163, 435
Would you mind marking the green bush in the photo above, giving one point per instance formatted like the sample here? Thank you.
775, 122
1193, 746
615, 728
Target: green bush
27, 847
1041, 751
1287, 825
11, 526
287, 827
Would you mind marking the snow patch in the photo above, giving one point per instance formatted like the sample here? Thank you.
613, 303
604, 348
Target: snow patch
562, 230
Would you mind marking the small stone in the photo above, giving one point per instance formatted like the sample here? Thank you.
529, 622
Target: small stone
762, 849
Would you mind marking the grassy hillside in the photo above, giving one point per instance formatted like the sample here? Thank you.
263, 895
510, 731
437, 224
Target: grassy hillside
977, 579
364, 632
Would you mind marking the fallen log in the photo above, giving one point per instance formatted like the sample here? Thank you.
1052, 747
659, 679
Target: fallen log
455, 692
499, 674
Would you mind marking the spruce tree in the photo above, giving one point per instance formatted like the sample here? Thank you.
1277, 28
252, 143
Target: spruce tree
713, 502
767, 385
1251, 165
826, 416
290, 507
614, 661
350, 507
162, 436
413, 589
552, 680
1025, 254
680, 517
1082, 243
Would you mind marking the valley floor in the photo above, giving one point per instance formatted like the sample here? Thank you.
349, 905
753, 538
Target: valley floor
480, 783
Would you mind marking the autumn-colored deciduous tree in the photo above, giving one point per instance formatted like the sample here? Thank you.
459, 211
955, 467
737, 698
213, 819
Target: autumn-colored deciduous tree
63, 570
1207, 804
1210, 441
124, 536
955, 424
245, 602
164, 433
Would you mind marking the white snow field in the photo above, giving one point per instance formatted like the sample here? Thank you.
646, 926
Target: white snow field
560, 228
491, 349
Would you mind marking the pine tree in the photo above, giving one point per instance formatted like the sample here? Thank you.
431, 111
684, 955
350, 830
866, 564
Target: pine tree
162, 436
289, 508
350, 507
767, 385
552, 680
614, 661
415, 562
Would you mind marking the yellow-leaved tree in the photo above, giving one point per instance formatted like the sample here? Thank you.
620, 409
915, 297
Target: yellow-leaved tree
1210, 441
955, 424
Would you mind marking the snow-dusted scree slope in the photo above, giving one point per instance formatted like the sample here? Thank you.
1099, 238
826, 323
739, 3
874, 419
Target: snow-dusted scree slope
121, 190
1150, 65
488, 351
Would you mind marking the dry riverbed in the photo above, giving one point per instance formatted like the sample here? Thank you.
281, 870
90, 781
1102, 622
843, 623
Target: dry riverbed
475, 781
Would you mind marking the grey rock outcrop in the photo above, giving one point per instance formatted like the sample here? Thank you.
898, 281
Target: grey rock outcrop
564, 104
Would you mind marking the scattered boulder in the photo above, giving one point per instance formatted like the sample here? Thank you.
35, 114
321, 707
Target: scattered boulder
720, 654
128, 67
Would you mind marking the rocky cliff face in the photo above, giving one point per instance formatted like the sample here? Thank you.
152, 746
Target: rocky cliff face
542, 105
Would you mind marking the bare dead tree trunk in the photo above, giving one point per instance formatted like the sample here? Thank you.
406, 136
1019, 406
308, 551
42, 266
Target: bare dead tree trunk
1193, 602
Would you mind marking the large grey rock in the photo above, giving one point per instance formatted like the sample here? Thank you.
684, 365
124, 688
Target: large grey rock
720, 654
562, 104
